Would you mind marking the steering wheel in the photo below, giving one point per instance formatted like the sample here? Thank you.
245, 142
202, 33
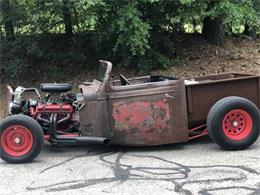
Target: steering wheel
124, 80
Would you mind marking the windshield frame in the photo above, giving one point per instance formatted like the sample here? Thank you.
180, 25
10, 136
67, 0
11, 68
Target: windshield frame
101, 72
107, 74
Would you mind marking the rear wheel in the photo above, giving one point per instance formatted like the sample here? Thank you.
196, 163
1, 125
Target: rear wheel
21, 139
233, 123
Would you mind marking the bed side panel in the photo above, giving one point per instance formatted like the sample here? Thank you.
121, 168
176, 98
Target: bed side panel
201, 97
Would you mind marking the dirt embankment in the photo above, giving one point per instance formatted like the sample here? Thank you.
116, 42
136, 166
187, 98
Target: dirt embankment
200, 58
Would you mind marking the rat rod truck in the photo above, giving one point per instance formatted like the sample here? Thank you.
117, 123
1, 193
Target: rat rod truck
143, 111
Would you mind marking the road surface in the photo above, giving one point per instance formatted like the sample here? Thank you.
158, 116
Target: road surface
197, 167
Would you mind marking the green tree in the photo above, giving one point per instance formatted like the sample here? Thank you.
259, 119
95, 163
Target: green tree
67, 18
7, 19
251, 27
136, 33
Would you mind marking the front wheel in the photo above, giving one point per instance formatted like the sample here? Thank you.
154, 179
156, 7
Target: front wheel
21, 139
233, 123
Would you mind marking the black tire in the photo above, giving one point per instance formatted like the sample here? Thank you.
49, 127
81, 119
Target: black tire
217, 119
34, 130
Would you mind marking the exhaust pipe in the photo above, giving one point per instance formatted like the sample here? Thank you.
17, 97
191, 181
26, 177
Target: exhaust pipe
93, 140
71, 139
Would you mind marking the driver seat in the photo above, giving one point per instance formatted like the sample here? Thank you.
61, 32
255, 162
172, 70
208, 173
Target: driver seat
55, 87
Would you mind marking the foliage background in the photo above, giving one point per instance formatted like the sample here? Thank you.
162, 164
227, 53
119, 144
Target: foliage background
57, 36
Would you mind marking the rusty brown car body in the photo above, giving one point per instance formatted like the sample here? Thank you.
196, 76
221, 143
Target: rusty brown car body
158, 112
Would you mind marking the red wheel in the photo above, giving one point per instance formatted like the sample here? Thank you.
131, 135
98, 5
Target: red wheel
233, 123
16, 140
237, 124
21, 139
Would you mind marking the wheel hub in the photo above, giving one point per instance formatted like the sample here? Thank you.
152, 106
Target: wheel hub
16, 140
237, 124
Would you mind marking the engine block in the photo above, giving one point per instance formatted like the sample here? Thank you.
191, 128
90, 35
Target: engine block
54, 108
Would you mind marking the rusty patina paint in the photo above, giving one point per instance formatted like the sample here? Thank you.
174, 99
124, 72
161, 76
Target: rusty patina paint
5, 98
150, 112
144, 116
209, 89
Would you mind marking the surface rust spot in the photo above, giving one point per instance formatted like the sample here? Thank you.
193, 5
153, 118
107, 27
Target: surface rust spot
142, 115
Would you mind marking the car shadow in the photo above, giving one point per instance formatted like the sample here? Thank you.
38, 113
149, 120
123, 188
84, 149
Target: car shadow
65, 148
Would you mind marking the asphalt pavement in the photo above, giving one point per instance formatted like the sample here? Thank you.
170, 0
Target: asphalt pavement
197, 167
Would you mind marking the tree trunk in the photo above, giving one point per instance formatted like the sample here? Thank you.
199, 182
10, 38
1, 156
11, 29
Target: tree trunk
67, 19
9, 30
213, 30
251, 32
8, 23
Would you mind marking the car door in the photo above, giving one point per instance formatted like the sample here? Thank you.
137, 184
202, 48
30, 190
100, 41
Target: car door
148, 114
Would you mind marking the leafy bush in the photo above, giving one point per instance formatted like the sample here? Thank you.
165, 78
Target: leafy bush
61, 35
